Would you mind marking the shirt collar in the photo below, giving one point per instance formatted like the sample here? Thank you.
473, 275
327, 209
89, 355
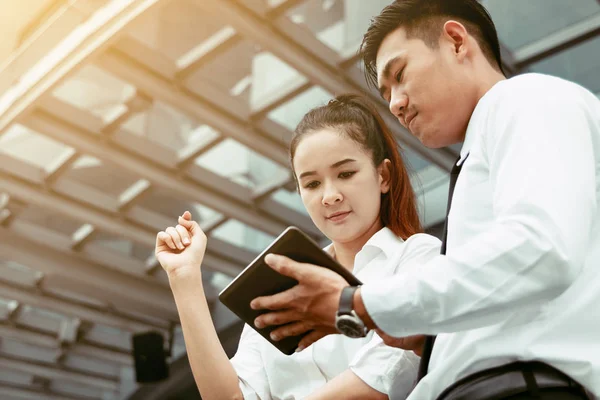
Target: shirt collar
383, 240
471, 128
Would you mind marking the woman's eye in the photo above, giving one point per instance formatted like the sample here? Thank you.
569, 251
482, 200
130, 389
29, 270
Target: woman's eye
312, 185
346, 175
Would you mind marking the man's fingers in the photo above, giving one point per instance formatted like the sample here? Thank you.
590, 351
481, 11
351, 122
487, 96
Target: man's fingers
276, 318
285, 266
309, 339
293, 329
275, 302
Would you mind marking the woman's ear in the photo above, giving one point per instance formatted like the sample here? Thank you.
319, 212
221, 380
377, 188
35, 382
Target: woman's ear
385, 175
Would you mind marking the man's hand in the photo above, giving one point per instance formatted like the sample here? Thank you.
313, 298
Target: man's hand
311, 305
414, 343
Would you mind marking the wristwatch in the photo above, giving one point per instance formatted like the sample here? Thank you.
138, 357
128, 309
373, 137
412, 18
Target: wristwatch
347, 321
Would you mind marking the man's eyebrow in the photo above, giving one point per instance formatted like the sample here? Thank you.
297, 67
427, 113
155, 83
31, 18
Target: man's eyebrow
334, 165
387, 70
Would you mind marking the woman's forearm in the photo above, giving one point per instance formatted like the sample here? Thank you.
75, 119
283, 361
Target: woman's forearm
346, 386
213, 372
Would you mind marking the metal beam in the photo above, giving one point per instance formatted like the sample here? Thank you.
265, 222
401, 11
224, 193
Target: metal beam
164, 177
224, 254
90, 38
60, 165
81, 349
119, 290
50, 372
223, 257
48, 33
71, 308
558, 41
61, 271
14, 392
170, 91
314, 67
213, 191
133, 194
220, 42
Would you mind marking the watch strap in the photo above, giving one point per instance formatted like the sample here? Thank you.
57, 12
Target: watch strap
346, 300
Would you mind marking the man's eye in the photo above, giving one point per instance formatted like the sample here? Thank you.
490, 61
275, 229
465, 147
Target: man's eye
399, 75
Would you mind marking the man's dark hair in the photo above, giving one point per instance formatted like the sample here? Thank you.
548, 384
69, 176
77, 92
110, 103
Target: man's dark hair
424, 19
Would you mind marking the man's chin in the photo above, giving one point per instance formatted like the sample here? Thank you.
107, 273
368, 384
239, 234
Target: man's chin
431, 141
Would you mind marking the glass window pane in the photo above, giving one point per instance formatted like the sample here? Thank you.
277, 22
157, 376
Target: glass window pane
338, 24
578, 64
106, 178
167, 126
238, 163
291, 113
242, 235
31, 147
522, 22
171, 206
290, 199
109, 92
56, 223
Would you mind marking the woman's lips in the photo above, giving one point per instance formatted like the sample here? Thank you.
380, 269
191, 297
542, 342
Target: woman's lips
338, 216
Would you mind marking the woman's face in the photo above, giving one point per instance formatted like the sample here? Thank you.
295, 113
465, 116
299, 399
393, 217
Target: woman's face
339, 185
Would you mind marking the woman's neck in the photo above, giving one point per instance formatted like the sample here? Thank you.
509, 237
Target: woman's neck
345, 252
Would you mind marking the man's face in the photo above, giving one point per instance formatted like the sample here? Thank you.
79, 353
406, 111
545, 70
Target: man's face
427, 89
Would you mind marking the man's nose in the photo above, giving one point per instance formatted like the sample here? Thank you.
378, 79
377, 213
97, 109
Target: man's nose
398, 105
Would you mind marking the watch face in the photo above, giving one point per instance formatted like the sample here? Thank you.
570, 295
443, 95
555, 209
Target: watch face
350, 327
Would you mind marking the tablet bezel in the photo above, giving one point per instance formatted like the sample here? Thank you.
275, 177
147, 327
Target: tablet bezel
291, 241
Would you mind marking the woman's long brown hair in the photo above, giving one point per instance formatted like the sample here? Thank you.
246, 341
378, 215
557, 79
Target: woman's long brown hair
355, 117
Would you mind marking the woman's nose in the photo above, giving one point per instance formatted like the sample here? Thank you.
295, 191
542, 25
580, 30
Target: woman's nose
331, 195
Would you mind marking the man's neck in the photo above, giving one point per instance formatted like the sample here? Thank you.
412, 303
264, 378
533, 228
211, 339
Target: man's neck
487, 79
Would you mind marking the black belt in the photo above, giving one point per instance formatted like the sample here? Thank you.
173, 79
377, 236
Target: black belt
509, 380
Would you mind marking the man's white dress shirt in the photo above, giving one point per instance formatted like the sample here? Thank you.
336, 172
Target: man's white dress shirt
266, 373
521, 278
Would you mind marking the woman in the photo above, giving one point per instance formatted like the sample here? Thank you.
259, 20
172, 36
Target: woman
356, 189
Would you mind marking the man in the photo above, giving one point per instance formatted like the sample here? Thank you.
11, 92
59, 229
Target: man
514, 302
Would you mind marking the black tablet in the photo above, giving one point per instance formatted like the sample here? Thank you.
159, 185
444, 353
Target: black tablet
258, 279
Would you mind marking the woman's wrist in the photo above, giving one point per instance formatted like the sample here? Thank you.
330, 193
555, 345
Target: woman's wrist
185, 276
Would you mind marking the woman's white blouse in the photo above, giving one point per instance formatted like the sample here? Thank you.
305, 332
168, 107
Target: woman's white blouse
266, 373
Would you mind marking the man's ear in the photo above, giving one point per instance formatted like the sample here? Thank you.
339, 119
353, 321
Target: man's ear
456, 35
385, 175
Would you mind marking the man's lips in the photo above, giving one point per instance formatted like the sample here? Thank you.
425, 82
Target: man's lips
409, 119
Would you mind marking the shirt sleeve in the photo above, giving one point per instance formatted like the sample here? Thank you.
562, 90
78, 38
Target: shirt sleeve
249, 365
383, 367
539, 150
387, 369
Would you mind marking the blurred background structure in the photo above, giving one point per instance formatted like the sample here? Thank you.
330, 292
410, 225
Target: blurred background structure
117, 116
